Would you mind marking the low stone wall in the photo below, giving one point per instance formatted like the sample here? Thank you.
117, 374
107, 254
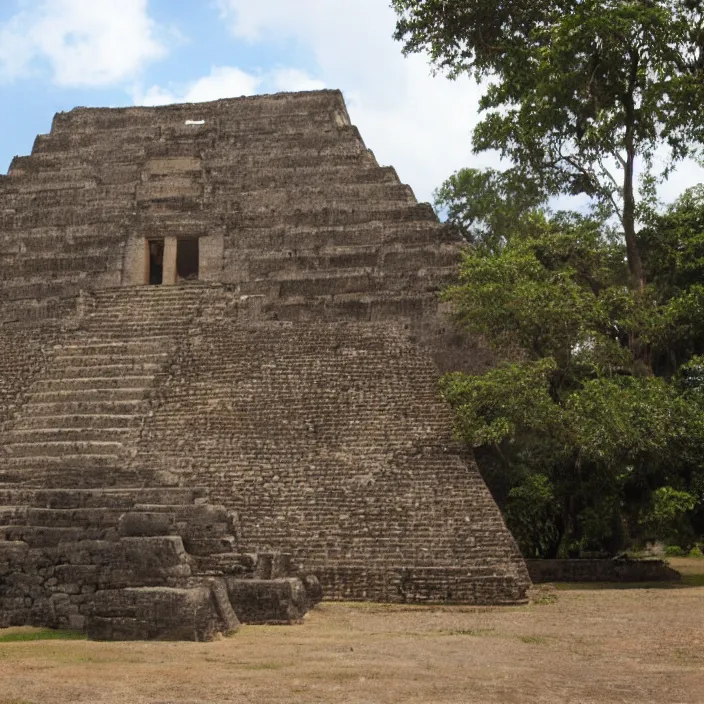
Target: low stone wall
600, 571
54, 586
418, 585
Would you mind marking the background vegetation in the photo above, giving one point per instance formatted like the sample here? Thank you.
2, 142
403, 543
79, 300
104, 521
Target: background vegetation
590, 429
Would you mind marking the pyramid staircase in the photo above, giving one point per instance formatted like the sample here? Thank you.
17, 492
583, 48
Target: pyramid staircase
98, 545
79, 416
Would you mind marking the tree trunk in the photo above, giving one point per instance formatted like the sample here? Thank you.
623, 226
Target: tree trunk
635, 265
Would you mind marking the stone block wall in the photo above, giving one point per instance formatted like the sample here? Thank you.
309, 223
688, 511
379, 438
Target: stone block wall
100, 561
327, 440
25, 351
584, 570
330, 441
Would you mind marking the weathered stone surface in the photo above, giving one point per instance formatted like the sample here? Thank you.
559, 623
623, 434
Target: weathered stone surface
294, 382
268, 601
138, 587
155, 613
147, 524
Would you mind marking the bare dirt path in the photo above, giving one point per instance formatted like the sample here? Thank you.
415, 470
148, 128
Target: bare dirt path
579, 646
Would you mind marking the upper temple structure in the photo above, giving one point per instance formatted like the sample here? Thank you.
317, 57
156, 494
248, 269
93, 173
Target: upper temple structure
220, 340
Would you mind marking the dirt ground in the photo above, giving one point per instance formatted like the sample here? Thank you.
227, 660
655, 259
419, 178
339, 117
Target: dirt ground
574, 645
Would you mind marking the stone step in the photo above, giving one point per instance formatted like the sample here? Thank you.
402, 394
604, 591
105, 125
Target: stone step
35, 474
49, 536
130, 347
227, 563
343, 139
39, 409
105, 371
94, 395
12, 515
101, 517
118, 330
148, 294
152, 314
23, 287
356, 281
94, 383
86, 126
68, 461
200, 514
306, 176
198, 613
30, 265
341, 194
35, 435
201, 546
362, 307
391, 212
92, 244
132, 325
167, 298
92, 448
168, 307
63, 421
299, 159
122, 499
98, 360
150, 297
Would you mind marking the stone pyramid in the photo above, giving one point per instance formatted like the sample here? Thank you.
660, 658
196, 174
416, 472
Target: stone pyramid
233, 299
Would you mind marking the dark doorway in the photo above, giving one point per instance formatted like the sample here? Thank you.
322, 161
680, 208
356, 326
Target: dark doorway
187, 260
156, 262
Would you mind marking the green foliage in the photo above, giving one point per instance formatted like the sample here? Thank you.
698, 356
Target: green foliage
591, 431
583, 446
674, 551
627, 420
485, 206
667, 511
488, 415
578, 89
530, 511
673, 244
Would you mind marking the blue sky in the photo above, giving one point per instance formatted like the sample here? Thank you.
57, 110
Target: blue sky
57, 54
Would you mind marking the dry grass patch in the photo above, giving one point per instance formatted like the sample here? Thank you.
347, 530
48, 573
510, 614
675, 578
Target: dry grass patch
625, 646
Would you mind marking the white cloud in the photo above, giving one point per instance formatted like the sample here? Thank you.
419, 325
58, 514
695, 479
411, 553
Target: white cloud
419, 123
227, 82
686, 174
292, 79
223, 81
85, 42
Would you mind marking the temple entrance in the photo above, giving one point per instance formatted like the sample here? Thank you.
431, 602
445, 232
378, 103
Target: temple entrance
171, 260
156, 262
187, 260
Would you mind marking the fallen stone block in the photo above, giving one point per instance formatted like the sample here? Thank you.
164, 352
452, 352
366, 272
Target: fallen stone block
273, 601
156, 613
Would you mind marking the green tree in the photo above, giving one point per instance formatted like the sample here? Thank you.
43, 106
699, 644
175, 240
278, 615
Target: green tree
578, 91
488, 206
581, 445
